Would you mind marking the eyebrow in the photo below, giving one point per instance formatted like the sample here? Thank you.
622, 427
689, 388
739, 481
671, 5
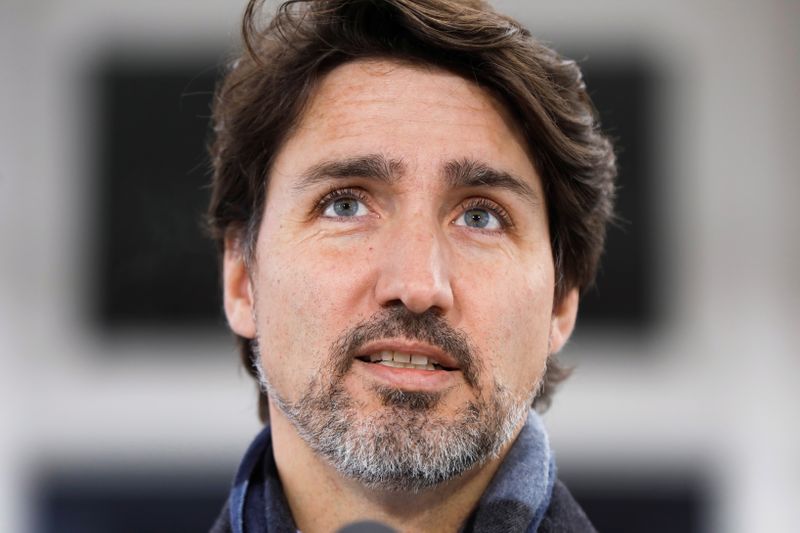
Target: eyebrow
372, 166
461, 173
472, 173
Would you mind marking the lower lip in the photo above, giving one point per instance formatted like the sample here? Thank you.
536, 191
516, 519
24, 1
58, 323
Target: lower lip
409, 378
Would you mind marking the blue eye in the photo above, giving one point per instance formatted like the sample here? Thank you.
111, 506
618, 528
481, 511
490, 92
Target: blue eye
478, 218
345, 206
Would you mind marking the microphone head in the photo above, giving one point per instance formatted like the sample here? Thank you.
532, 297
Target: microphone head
366, 526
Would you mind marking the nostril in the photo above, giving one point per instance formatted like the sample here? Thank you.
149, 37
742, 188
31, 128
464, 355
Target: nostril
409, 285
414, 309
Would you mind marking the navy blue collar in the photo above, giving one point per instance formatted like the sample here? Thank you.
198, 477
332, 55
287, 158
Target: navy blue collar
516, 499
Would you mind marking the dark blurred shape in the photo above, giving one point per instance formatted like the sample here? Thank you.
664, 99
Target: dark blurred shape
643, 505
174, 502
157, 270
122, 502
624, 297
366, 526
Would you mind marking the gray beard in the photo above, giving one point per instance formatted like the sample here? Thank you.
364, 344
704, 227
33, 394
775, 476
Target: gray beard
405, 445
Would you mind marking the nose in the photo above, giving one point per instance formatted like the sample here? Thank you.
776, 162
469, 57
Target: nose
414, 269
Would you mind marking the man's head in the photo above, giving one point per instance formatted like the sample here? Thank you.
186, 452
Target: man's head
397, 183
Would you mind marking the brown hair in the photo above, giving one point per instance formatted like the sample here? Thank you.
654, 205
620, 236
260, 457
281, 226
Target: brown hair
264, 93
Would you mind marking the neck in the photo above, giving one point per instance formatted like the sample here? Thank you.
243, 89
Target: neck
321, 499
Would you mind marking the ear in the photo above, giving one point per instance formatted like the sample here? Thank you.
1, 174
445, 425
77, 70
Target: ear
237, 290
563, 322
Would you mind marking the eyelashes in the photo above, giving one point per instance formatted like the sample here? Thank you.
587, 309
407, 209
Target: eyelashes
325, 207
336, 194
484, 204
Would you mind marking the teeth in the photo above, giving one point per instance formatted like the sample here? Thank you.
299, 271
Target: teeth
402, 357
419, 359
402, 360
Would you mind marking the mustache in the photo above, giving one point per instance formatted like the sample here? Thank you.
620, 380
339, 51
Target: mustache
428, 327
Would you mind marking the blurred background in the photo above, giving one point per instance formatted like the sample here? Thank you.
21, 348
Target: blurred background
122, 404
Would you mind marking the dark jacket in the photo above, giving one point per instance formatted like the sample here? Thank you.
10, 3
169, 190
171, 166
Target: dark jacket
563, 515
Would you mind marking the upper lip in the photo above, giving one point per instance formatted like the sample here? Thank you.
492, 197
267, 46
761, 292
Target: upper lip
436, 355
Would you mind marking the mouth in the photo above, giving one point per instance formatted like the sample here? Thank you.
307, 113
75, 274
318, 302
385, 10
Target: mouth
407, 354
409, 365
403, 359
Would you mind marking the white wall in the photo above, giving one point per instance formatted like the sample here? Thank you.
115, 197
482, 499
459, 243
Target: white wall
710, 391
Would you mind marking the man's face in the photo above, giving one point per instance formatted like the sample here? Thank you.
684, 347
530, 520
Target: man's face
404, 220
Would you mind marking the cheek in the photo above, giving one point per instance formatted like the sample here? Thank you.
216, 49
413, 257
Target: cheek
307, 296
514, 322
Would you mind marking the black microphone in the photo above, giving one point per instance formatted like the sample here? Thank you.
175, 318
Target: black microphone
366, 526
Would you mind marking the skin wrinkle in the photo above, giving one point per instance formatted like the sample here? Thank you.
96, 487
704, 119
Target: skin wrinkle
466, 173
462, 173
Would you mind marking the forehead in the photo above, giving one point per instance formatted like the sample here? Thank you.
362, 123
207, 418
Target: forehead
427, 88
419, 114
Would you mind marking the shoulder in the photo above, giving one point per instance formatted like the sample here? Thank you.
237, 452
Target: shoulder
564, 515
